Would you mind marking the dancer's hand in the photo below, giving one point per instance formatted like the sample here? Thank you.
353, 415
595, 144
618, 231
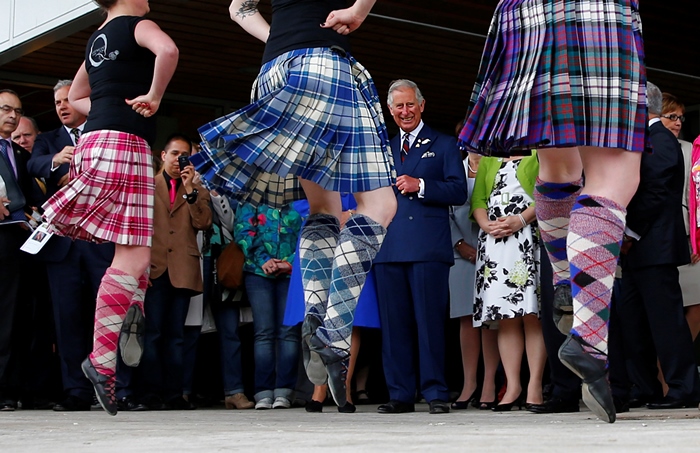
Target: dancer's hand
345, 21
146, 105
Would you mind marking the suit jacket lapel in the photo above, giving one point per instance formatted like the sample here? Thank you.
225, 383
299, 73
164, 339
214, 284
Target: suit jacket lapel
418, 148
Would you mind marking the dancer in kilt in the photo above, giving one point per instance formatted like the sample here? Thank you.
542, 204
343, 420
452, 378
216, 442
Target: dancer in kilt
567, 77
110, 193
314, 124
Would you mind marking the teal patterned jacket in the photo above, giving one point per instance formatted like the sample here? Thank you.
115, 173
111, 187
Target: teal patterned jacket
264, 232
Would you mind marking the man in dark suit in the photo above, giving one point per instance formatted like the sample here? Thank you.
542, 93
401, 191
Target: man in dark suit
74, 268
412, 267
650, 309
15, 202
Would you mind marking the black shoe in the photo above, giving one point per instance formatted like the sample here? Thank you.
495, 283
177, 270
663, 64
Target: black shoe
670, 403
563, 308
131, 336
362, 397
152, 402
439, 407
129, 403
104, 387
73, 404
555, 405
486, 405
315, 370
8, 405
507, 407
460, 405
396, 407
595, 389
336, 367
621, 405
314, 406
349, 408
178, 404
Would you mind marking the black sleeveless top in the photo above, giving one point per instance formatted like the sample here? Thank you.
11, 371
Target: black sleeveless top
118, 69
296, 24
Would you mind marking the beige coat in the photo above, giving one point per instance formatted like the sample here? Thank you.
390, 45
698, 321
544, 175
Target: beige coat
175, 235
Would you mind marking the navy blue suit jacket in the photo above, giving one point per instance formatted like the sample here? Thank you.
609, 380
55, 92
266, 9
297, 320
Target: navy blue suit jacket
45, 147
420, 230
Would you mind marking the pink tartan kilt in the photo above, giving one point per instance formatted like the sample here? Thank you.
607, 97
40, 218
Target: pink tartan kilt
110, 194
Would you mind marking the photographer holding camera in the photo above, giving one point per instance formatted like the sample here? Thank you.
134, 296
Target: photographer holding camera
181, 209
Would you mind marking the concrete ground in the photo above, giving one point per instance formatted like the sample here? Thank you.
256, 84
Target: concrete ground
292, 430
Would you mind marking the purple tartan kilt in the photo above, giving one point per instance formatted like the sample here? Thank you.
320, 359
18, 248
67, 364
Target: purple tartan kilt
559, 74
316, 114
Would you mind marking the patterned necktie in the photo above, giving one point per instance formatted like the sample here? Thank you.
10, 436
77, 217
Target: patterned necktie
5, 149
173, 192
76, 134
405, 146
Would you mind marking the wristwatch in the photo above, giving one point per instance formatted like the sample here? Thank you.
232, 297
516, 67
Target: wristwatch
191, 197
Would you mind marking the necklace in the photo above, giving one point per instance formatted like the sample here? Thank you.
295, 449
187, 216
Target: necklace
469, 166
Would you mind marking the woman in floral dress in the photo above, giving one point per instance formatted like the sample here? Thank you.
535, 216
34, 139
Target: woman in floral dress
508, 269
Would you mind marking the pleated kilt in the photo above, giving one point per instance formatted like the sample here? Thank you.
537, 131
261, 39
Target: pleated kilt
314, 113
559, 73
110, 194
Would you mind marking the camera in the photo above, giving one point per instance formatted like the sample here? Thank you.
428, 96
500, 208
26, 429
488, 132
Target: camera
183, 161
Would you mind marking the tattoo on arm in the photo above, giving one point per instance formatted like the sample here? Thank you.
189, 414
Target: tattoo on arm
248, 8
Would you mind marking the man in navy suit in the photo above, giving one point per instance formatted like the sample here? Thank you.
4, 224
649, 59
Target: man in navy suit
74, 268
650, 309
15, 201
412, 267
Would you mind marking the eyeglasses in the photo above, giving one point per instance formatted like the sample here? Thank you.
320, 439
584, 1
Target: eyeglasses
674, 117
7, 109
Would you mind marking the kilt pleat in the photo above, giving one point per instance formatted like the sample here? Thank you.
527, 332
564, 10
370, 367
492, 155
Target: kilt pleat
559, 73
315, 114
110, 194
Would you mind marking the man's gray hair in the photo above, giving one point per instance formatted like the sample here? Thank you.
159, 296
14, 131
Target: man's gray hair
62, 83
32, 121
403, 83
655, 99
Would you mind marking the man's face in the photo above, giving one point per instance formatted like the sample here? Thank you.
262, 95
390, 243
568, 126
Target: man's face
25, 134
66, 113
173, 150
405, 109
9, 118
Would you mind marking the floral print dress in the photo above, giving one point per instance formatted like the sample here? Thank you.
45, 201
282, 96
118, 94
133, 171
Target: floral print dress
507, 269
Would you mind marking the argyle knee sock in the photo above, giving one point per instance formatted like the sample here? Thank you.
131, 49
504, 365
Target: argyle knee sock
113, 299
140, 293
317, 243
596, 228
358, 245
553, 204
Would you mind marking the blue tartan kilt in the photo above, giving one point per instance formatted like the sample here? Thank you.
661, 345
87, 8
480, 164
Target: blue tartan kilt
314, 113
559, 73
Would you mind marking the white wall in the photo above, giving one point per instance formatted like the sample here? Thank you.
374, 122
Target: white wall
24, 20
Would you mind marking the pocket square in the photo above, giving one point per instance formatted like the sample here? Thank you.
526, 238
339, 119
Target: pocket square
427, 154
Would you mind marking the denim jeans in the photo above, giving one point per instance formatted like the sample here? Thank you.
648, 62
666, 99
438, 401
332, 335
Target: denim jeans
161, 369
276, 346
226, 319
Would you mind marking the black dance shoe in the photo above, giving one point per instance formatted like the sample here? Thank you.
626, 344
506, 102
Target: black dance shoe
595, 389
104, 387
131, 336
563, 308
315, 370
336, 369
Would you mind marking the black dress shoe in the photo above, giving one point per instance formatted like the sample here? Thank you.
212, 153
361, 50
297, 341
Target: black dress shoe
595, 388
669, 403
178, 404
554, 405
439, 407
72, 404
621, 405
104, 387
129, 403
396, 407
336, 368
8, 405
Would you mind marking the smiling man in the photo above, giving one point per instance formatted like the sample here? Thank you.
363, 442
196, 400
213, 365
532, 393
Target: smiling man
412, 281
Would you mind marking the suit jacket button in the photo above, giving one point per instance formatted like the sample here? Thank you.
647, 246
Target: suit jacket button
170, 250
410, 217
410, 198
172, 232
